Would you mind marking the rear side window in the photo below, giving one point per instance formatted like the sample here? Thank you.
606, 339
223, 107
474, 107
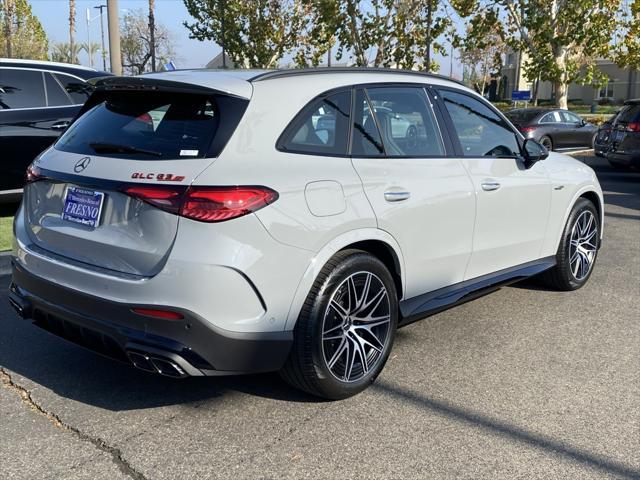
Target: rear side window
569, 117
630, 113
56, 96
406, 122
552, 117
481, 132
78, 90
145, 126
366, 140
21, 89
321, 128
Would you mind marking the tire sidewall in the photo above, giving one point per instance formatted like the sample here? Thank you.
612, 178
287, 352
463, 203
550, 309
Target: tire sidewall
332, 387
581, 206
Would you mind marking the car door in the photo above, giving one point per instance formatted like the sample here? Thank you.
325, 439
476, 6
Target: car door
554, 129
419, 194
512, 202
34, 110
578, 133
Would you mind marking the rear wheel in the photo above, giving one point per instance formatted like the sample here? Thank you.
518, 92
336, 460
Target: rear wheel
346, 328
578, 249
547, 142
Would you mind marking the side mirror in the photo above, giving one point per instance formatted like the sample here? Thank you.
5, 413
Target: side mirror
533, 152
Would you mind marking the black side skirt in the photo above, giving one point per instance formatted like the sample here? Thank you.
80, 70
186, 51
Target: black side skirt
416, 308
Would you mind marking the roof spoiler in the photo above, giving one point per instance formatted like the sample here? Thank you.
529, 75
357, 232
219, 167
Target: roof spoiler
105, 84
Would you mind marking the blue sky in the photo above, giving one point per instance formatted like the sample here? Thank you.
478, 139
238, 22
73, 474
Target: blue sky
54, 16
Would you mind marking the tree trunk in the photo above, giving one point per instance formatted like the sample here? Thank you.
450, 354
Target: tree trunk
427, 57
561, 84
8, 23
72, 31
152, 34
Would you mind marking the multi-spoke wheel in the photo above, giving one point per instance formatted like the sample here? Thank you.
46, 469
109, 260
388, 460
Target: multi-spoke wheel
578, 248
547, 142
346, 328
356, 326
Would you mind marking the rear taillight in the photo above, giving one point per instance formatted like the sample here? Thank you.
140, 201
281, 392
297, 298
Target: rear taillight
165, 198
526, 130
633, 127
205, 204
32, 174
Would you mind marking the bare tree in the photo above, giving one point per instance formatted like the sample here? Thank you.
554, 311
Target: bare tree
152, 33
136, 46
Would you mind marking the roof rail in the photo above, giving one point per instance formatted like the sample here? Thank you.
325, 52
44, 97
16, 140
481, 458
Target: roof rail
46, 62
290, 72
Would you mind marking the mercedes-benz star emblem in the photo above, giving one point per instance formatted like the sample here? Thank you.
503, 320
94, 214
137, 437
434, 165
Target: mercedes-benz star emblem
82, 164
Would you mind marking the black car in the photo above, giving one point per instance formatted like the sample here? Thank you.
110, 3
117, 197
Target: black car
38, 100
603, 138
624, 148
555, 129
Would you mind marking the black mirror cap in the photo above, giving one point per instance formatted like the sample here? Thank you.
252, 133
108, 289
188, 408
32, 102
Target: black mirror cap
533, 151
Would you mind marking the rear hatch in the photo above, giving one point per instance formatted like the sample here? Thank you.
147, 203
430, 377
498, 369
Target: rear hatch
625, 135
93, 198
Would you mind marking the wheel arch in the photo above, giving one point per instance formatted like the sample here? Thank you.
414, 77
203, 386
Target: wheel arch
378, 243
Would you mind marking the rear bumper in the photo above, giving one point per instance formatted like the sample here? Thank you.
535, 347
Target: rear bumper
630, 159
191, 346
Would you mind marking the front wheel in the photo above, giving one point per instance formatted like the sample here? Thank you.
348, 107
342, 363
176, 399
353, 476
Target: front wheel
346, 328
578, 249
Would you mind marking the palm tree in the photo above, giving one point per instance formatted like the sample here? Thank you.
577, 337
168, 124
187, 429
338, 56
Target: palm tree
91, 49
72, 31
152, 34
64, 52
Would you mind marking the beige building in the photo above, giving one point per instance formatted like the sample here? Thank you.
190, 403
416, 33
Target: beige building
623, 83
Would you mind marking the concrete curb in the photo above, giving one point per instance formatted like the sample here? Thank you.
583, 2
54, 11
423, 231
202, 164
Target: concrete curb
5, 263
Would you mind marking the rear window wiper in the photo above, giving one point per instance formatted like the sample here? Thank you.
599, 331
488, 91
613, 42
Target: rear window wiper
101, 147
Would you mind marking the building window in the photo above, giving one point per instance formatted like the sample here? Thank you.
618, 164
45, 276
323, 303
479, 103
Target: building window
606, 91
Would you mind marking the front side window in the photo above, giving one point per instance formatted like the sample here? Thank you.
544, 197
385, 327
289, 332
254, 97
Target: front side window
406, 121
145, 126
21, 89
481, 132
321, 128
569, 117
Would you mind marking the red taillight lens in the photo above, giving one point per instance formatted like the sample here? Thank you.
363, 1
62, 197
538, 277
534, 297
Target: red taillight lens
166, 198
633, 127
526, 130
217, 204
32, 174
158, 313
205, 204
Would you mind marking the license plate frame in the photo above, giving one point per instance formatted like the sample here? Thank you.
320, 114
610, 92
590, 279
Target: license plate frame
82, 206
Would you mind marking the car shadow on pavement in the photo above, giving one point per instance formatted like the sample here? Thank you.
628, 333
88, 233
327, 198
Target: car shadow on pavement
507, 430
75, 373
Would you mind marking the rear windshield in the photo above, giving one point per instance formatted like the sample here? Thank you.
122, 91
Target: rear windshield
522, 116
145, 126
630, 113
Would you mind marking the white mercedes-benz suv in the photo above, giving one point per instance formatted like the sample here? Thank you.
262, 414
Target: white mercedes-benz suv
225, 222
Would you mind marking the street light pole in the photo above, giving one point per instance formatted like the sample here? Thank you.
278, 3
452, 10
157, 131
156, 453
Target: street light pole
104, 53
114, 37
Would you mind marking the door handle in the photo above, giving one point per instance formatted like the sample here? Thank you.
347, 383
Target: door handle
396, 195
60, 125
490, 186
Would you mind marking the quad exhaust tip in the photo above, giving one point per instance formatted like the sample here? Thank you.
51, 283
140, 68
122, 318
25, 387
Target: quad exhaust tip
156, 364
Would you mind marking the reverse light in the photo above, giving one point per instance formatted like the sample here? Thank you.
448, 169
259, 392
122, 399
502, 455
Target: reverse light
205, 204
158, 313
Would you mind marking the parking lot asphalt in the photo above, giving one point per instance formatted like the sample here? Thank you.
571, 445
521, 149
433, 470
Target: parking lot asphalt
522, 383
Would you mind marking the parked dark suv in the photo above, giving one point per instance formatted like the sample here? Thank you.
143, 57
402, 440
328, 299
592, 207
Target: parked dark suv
624, 150
38, 100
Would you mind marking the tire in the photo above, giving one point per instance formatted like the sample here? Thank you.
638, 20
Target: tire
570, 271
547, 142
319, 364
